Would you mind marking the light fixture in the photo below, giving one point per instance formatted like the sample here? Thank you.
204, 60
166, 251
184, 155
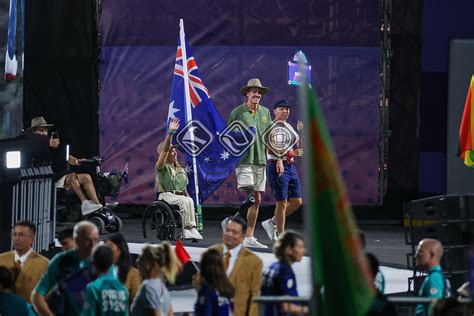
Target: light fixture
67, 152
13, 159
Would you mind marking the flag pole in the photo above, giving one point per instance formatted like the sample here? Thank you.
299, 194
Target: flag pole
307, 214
189, 115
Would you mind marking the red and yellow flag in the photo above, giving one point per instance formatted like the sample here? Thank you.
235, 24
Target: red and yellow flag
466, 146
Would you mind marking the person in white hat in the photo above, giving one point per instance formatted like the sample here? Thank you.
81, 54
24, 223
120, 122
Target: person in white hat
251, 172
81, 183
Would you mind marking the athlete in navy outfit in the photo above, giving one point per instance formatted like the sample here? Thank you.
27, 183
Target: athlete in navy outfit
215, 291
283, 178
279, 278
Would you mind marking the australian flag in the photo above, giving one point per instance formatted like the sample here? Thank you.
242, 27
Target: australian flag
217, 147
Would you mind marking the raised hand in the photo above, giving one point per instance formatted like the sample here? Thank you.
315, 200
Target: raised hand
54, 142
174, 125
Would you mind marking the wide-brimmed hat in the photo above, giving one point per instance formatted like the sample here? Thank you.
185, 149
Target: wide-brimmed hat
253, 83
39, 122
161, 146
281, 104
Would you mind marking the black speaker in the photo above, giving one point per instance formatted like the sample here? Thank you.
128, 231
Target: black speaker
442, 207
450, 234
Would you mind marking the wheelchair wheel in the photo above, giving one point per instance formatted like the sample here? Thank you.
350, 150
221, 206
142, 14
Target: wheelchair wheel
99, 222
117, 226
158, 222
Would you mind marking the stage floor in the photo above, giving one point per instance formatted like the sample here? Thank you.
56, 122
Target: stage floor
386, 242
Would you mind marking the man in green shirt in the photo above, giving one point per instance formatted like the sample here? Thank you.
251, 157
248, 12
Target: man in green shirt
428, 256
251, 170
64, 264
106, 295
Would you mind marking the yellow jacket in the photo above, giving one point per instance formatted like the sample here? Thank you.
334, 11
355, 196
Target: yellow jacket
133, 282
32, 271
246, 277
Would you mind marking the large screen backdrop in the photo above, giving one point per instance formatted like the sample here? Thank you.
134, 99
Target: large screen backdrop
233, 41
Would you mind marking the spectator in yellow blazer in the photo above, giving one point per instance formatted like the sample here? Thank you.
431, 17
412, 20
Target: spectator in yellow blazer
242, 266
25, 265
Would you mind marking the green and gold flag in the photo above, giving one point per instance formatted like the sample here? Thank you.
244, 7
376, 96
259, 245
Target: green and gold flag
340, 270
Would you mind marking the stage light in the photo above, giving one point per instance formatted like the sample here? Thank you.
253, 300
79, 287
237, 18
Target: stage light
13, 159
67, 152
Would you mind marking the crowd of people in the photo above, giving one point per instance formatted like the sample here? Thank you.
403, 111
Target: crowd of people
99, 278
93, 277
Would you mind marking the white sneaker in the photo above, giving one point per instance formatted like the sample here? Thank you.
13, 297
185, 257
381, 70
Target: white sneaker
224, 222
251, 242
89, 207
196, 233
188, 234
270, 228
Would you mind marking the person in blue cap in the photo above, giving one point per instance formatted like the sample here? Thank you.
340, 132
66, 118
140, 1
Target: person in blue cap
283, 177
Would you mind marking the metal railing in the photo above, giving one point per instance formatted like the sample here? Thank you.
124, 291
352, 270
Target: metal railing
273, 302
463, 305
403, 305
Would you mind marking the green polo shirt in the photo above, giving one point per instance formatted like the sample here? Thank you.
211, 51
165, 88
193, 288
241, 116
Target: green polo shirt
433, 286
62, 265
171, 178
261, 120
105, 296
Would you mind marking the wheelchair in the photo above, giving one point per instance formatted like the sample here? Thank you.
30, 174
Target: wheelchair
106, 185
162, 221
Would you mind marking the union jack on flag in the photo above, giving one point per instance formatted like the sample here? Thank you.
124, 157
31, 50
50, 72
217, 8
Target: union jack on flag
194, 80
214, 162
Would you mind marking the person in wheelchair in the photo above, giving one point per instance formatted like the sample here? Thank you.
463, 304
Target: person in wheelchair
81, 183
171, 181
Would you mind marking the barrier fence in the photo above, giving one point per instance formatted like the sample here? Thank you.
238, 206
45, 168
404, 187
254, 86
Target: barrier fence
403, 305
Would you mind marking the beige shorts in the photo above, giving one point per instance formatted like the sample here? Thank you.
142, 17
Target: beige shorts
251, 175
60, 182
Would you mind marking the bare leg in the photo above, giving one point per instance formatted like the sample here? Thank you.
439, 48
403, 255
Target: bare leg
75, 185
293, 205
252, 214
280, 214
86, 182
283, 209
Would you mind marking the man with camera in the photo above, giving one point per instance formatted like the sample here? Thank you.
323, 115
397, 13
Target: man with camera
80, 183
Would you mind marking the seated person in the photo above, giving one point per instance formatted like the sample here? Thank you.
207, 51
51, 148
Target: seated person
81, 183
171, 181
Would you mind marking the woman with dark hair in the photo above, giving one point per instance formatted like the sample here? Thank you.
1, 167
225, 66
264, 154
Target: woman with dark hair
279, 278
126, 273
215, 292
154, 264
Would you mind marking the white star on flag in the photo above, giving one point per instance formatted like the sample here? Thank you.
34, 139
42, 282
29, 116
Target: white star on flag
172, 110
207, 159
225, 155
188, 169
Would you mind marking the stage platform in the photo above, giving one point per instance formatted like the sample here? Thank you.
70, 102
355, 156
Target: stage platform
386, 242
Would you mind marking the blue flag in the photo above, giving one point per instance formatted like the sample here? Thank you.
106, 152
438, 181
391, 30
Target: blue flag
205, 136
